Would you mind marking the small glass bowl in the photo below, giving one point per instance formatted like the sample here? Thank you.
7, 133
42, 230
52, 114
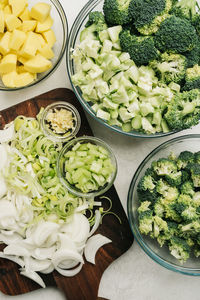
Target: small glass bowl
61, 162
60, 28
60, 137
161, 255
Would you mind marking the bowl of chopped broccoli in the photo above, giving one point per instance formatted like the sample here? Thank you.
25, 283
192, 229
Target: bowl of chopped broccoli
135, 65
164, 204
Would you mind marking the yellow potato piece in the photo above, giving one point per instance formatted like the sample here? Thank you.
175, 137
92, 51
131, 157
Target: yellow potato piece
12, 22
25, 15
18, 6
40, 11
23, 79
46, 25
9, 79
49, 37
46, 51
7, 10
30, 46
17, 39
8, 63
37, 64
4, 43
22, 59
2, 23
3, 3
28, 25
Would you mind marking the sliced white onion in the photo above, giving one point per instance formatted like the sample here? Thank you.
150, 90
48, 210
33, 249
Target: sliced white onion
7, 209
35, 264
97, 222
7, 239
14, 249
93, 245
34, 276
64, 255
4, 156
43, 253
43, 231
7, 134
13, 258
69, 273
66, 242
48, 270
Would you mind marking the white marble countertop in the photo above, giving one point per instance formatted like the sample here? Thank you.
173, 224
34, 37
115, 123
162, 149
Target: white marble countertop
134, 276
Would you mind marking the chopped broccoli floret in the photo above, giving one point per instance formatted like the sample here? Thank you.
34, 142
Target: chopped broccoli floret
141, 49
117, 12
189, 214
192, 78
170, 67
159, 225
152, 14
174, 179
197, 157
144, 206
184, 110
184, 158
145, 221
146, 189
164, 166
98, 19
195, 174
187, 188
176, 35
169, 193
185, 9
193, 55
179, 248
159, 208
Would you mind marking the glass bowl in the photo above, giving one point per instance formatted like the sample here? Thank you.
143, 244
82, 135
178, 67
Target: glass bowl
60, 28
61, 166
150, 246
77, 27
50, 132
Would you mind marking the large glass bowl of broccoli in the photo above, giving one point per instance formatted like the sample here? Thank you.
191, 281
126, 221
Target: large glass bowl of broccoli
164, 204
133, 64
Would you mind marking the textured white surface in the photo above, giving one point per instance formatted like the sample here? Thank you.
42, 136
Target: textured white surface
134, 276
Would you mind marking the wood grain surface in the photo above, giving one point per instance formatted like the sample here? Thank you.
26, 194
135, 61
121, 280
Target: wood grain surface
83, 286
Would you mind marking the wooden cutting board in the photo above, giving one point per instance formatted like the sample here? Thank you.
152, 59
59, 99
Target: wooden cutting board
83, 286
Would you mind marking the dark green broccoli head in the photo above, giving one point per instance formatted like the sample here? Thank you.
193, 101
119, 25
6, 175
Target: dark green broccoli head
173, 228
185, 176
176, 35
185, 9
197, 157
141, 49
192, 78
195, 174
171, 212
187, 188
184, 110
164, 166
184, 158
95, 17
117, 12
170, 67
174, 179
146, 183
193, 55
151, 15
179, 248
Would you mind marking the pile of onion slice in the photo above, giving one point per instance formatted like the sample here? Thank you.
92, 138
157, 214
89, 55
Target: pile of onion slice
37, 244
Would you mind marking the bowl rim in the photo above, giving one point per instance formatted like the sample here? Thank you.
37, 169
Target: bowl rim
49, 133
67, 185
76, 26
64, 21
156, 258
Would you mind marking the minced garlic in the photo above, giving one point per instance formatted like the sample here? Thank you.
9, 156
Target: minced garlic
60, 120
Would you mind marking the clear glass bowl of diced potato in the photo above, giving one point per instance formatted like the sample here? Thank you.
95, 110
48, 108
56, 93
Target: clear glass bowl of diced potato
33, 37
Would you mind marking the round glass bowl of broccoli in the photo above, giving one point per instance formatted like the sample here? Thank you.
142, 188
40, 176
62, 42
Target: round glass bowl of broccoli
87, 167
133, 64
164, 204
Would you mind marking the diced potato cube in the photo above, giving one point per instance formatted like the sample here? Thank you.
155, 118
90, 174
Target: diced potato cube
28, 25
7, 10
9, 79
4, 43
17, 39
23, 79
3, 3
46, 51
37, 64
2, 23
46, 25
25, 15
8, 63
12, 22
30, 46
49, 37
22, 59
18, 6
41, 40
40, 11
